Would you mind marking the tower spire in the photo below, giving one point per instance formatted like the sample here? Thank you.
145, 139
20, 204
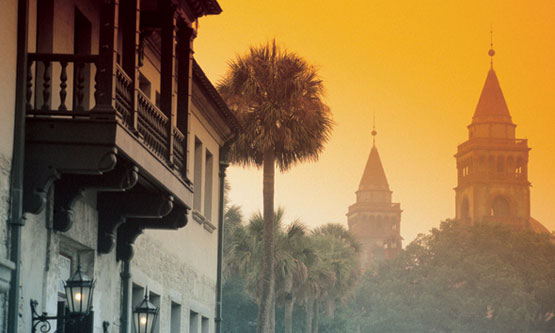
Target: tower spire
491, 51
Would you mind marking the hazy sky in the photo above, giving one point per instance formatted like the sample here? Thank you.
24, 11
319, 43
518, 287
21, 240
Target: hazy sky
420, 67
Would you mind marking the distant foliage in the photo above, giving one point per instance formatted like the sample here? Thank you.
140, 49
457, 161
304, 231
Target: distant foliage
480, 278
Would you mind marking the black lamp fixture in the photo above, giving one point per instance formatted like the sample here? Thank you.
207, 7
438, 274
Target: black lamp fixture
145, 315
79, 292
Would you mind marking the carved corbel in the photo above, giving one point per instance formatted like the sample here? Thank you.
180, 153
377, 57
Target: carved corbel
71, 187
134, 227
44, 164
36, 184
115, 207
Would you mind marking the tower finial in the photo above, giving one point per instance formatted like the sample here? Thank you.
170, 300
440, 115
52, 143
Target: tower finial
374, 130
491, 51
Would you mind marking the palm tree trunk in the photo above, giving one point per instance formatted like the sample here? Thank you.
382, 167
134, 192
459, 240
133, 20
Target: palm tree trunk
289, 303
309, 307
264, 312
316, 315
273, 316
331, 308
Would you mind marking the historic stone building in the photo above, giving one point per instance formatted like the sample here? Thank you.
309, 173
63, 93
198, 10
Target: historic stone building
109, 130
492, 165
373, 219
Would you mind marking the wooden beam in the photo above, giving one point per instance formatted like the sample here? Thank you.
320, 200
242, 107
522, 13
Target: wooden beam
115, 207
167, 81
130, 13
133, 227
70, 188
106, 67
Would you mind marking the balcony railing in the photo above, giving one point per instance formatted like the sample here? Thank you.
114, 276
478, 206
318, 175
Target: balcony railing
153, 126
68, 75
64, 86
480, 142
124, 97
180, 150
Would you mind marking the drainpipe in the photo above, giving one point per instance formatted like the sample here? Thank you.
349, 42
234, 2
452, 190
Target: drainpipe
125, 281
224, 150
16, 220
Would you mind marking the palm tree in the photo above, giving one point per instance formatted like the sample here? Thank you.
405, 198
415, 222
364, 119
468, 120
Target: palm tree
340, 256
292, 252
320, 278
245, 256
277, 97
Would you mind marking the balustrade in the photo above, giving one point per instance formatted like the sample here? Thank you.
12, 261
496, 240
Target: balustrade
124, 96
51, 85
61, 85
153, 126
180, 150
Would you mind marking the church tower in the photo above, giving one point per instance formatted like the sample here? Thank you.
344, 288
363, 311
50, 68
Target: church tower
374, 220
492, 164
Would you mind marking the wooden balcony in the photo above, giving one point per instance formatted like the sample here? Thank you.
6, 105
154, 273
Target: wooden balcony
146, 124
78, 144
89, 126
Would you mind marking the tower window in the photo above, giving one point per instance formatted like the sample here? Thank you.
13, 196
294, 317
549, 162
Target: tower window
465, 210
500, 164
500, 207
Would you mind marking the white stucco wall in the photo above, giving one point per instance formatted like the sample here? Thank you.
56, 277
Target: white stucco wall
40, 271
8, 40
8, 54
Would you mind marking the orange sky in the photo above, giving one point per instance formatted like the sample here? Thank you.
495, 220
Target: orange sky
420, 66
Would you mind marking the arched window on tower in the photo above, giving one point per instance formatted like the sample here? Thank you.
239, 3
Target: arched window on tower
465, 209
500, 164
511, 167
491, 164
519, 170
482, 165
500, 207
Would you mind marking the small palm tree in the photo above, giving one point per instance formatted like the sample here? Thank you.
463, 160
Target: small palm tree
277, 97
340, 256
292, 252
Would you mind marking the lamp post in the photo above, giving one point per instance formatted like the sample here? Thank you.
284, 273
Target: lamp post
144, 316
79, 291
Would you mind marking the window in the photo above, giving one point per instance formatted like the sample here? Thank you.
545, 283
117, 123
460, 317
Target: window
137, 296
155, 300
197, 180
465, 209
144, 85
500, 207
82, 45
64, 273
208, 185
157, 100
500, 164
175, 320
193, 322
205, 326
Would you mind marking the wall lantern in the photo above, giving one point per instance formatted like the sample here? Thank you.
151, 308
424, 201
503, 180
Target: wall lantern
144, 316
79, 291
80, 288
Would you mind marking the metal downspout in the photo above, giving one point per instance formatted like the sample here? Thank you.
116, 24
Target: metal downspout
224, 150
125, 279
16, 220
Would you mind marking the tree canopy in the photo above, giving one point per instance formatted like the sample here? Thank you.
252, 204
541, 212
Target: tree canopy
463, 279
278, 98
